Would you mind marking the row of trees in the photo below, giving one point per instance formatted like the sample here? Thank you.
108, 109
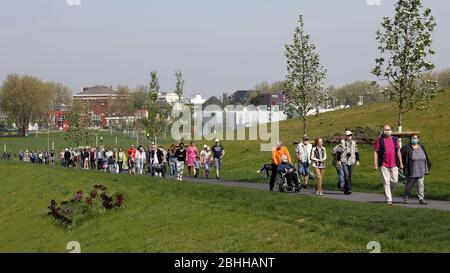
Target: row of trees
28, 99
404, 44
143, 97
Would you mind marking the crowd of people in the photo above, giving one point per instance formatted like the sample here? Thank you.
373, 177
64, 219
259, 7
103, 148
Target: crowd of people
154, 160
40, 157
410, 162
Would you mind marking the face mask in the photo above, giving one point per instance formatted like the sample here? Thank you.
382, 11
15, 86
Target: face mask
415, 141
388, 133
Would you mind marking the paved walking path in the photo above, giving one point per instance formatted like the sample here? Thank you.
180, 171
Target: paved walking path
373, 198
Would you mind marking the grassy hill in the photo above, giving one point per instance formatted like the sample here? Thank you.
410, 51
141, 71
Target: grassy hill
168, 216
244, 158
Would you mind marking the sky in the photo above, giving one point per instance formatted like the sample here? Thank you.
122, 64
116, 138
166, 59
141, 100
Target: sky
221, 46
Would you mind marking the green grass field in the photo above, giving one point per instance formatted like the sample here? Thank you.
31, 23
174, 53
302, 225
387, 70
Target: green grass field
166, 216
244, 158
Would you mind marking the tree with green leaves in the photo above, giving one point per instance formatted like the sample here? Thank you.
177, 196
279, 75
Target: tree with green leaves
271, 88
303, 85
405, 45
25, 99
349, 94
140, 97
80, 123
154, 121
180, 85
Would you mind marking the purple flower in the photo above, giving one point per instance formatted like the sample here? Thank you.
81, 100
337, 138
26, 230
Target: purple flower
78, 196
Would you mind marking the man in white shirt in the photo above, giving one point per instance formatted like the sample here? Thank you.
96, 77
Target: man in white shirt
303, 155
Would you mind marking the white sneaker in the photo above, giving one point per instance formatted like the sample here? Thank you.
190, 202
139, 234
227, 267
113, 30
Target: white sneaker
321, 194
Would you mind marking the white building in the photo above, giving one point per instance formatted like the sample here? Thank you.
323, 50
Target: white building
197, 99
170, 98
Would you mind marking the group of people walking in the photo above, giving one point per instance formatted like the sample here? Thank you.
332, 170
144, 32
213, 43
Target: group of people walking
39, 157
307, 156
410, 161
154, 160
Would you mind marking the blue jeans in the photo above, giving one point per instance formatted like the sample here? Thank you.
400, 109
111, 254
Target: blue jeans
218, 164
173, 168
341, 177
303, 168
348, 171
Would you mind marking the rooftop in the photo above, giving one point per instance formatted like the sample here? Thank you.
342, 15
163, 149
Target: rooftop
97, 90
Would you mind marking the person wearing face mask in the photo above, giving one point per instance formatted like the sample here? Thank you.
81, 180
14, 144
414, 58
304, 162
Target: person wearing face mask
388, 159
417, 165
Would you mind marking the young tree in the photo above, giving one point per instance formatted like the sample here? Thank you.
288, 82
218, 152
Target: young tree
25, 99
180, 85
153, 123
303, 85
80, 123
405, 44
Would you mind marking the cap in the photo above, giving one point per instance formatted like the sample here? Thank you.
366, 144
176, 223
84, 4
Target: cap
217, 140
348, 133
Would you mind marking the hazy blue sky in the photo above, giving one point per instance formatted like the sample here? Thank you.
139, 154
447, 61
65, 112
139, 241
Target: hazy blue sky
221, 46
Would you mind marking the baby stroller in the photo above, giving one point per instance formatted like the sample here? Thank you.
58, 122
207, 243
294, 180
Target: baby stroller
282, 185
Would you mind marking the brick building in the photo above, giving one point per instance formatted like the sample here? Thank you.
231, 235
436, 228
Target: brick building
98, 97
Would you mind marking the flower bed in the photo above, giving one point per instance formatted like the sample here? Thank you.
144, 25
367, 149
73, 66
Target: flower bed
80, 207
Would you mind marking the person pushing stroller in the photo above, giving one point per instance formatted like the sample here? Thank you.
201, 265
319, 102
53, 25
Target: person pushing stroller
289, 172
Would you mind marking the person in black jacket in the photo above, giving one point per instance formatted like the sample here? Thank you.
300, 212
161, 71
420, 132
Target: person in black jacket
416, 165
157, 161
67, 156
180, 156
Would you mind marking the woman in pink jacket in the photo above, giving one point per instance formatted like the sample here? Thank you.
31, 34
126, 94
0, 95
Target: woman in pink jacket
191, 154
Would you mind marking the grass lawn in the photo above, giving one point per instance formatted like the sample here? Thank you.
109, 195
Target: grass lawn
244, 158
168, 216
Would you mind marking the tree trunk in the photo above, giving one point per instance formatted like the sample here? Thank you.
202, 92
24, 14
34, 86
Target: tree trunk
305, 124
400, 124
23, 130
